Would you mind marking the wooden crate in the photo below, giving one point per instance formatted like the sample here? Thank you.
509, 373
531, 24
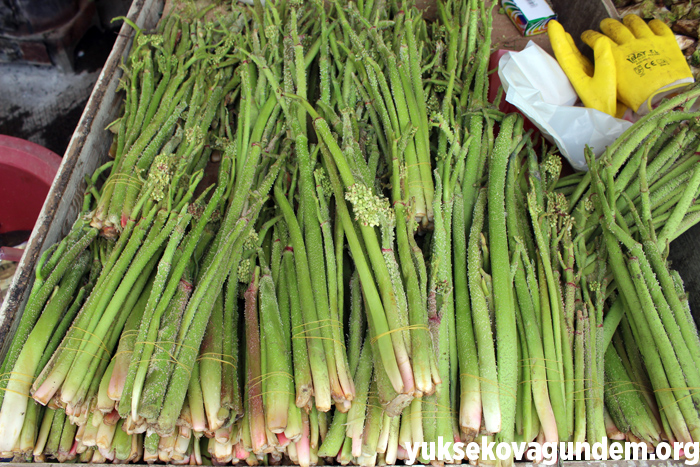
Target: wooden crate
87, 150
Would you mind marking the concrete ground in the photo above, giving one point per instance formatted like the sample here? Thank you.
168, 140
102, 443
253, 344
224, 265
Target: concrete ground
43, 105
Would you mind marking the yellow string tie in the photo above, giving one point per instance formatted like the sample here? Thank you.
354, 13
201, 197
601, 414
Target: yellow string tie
260, 379
317, 328
213, 356
102, 344
84, 351
316, 322
124, 179
336, 341
412, 327
261, 395
332, 323
177, 344
171, 359
690, 394
508, 392
16, 373
14, 392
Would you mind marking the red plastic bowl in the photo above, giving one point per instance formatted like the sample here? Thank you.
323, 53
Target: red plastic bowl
26, 173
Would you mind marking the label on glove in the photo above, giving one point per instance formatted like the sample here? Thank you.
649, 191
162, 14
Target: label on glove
646, 60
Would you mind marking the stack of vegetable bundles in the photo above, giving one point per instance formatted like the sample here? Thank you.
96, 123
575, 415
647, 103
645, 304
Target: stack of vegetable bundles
381, 257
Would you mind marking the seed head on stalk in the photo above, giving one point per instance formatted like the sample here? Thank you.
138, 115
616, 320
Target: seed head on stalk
432, 104
551, 167
561, 205
272, 34
159, 176
244, 271
196, 209
251, 242
141, 41
370, 210
323, 182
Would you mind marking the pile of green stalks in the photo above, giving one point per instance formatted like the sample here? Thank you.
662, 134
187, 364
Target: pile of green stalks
317, 242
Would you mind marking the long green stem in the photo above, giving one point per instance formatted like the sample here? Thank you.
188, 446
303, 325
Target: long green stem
317, 355
490, 393
502, 284
21, 377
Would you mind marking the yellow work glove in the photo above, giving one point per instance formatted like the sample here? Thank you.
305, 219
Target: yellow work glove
649, 63
595, 87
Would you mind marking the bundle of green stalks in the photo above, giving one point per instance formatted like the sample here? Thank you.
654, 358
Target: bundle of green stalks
380, 257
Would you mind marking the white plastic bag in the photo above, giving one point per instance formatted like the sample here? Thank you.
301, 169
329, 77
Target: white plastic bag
535, 83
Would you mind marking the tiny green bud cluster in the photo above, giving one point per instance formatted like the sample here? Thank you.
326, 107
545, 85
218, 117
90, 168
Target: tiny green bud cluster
216, 216
369, 209
251, 241
551, 165
143, 40
323, 182
244, 271
443, 287
558, 203
159, 176
156, 40
162, 62
271, 33
196, 209
194, 135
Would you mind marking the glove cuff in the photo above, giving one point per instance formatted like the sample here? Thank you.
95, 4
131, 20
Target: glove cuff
666, 91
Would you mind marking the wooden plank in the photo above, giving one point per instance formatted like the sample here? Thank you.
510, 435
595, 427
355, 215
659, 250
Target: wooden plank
87, 150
